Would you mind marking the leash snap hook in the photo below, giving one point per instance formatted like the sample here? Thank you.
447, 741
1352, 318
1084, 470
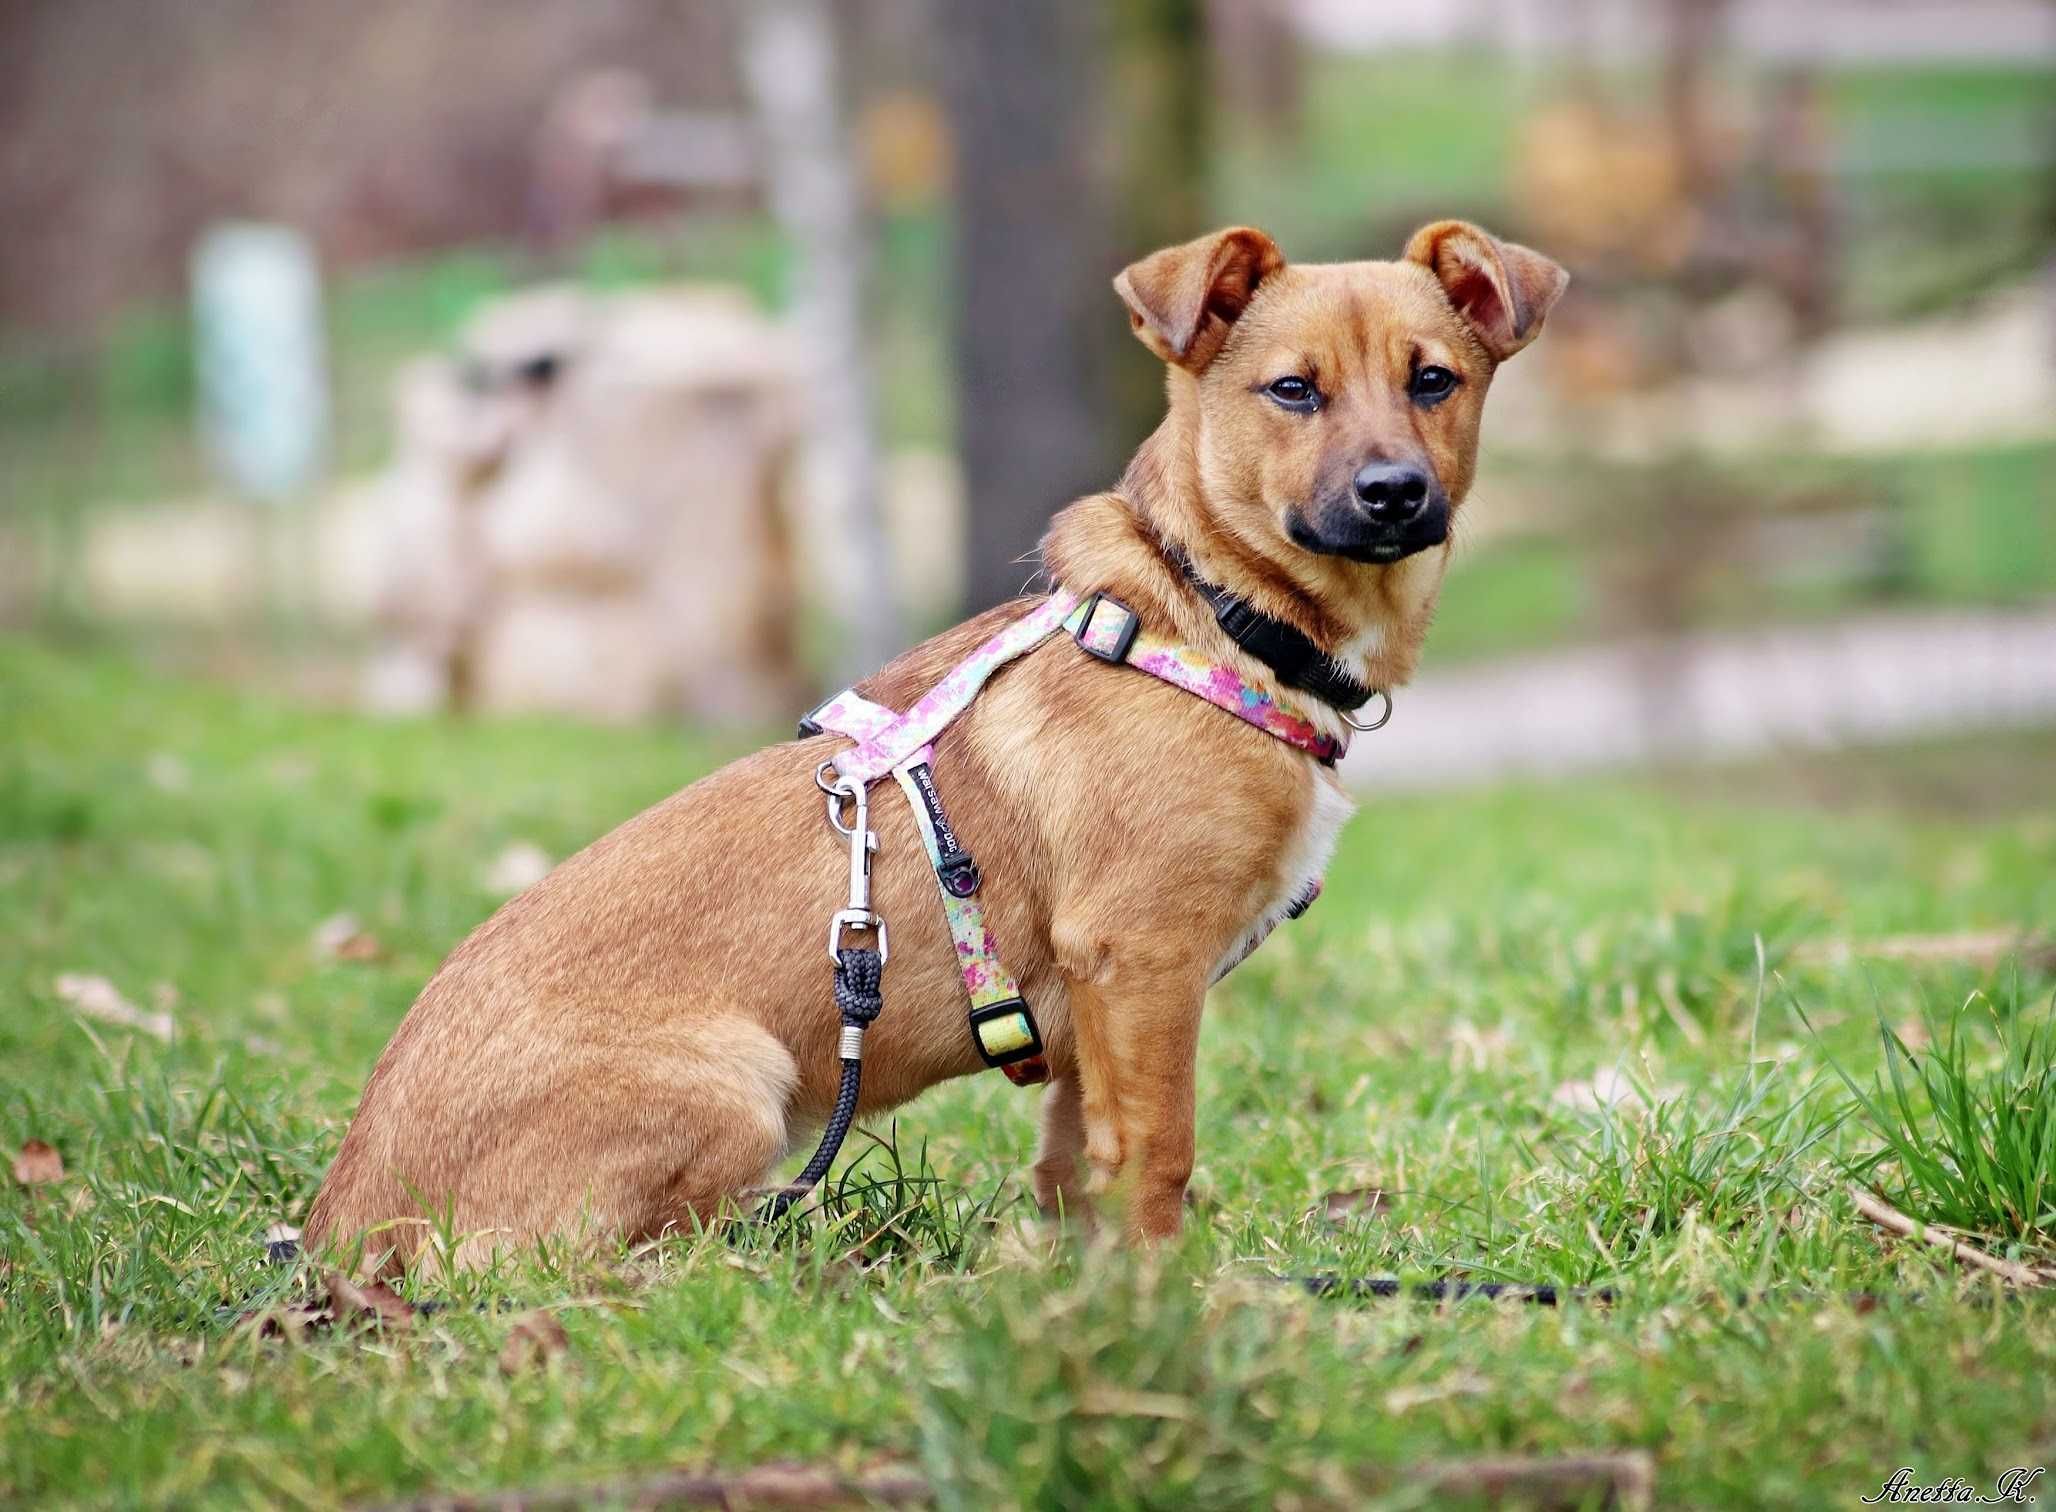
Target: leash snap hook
855, 918
858, 914
1364, 726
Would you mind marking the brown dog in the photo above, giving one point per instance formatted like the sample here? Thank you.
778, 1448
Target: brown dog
644, 1033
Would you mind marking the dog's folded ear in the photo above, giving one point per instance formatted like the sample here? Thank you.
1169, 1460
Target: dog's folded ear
1182, 300
1502, 289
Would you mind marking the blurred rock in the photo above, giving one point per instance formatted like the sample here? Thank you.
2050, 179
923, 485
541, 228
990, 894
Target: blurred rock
585, 512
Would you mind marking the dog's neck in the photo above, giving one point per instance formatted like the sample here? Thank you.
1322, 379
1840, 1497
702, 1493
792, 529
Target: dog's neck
1127, 543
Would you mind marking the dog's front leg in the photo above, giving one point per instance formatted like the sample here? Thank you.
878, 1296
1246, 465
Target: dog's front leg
1059, 1153
1138, 1037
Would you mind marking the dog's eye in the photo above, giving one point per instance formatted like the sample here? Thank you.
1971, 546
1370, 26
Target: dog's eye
1431, 384
1293, 392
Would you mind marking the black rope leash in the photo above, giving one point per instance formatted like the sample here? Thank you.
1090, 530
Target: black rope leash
1447, 1289
858, 971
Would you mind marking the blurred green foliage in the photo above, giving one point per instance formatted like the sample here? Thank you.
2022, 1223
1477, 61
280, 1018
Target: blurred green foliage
1939, 197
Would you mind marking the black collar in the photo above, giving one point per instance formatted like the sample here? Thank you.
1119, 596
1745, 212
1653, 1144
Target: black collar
1286, 650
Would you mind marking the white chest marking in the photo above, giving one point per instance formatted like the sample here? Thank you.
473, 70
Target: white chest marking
1302, 860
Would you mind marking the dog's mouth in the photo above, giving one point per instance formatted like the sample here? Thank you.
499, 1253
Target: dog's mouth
1351, 533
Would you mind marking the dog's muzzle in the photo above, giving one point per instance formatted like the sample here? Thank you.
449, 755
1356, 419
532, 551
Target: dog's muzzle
1348, 528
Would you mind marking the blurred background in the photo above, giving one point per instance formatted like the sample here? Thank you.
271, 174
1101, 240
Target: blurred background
640, 361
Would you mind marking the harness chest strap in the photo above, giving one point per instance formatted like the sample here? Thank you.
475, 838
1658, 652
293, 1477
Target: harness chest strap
1002, 1025
1108, 629
877, 754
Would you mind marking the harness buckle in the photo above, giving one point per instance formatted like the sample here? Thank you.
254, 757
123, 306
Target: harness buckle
1109, 640
1005, 1032
855, 918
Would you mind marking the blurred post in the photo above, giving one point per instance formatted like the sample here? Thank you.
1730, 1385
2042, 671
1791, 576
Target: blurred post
789, 62
263, 384
1033, 260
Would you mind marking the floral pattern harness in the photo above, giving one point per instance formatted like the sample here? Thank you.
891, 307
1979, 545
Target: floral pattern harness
1002, 1024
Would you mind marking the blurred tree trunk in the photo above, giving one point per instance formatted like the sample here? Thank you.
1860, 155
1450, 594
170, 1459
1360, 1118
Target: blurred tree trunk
789, 59
1033, 257
1081, 144
1259, 69
1160, 108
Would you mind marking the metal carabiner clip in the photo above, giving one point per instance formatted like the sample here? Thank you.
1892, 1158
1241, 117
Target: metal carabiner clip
858, 914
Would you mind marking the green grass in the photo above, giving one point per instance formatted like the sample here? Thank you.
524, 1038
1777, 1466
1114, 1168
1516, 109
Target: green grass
1473, 957
1970, 1136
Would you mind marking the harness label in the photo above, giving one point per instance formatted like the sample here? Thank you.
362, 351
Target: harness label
924, 783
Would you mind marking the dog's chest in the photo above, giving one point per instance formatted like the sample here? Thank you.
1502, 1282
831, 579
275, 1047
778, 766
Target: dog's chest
1302, 861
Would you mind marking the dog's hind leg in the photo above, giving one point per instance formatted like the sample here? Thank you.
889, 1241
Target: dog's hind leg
640, 1135
738, 1130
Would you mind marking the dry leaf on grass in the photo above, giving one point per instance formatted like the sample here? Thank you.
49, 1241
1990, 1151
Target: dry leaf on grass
518, 867
1354, 1202
369, 1300
535, 1339
1608, 1088
167, 773
292, 1323
342, 938
38, 1164
98, 998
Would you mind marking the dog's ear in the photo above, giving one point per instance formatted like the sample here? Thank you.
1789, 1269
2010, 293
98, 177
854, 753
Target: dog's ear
1182, 300
1503, 290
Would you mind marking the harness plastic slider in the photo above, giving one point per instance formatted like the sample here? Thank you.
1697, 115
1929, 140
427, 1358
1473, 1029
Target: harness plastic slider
1005, 1032
1106, 628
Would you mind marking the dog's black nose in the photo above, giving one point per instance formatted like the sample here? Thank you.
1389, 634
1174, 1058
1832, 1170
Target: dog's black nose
1393, 493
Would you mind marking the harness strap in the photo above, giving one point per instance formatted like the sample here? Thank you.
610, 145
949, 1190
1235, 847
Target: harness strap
1001, 1022
1108, 629
878, 754
1002, 1025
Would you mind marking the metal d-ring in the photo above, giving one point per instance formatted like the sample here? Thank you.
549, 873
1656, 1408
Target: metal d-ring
839, 792
1384, 718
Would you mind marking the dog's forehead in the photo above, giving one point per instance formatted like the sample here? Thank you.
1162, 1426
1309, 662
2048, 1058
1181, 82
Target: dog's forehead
1352, 307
